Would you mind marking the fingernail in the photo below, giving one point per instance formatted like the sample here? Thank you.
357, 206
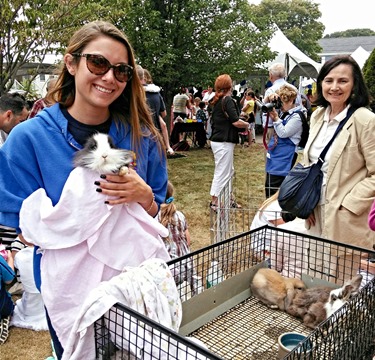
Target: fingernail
97, 183
99, 190
103, 176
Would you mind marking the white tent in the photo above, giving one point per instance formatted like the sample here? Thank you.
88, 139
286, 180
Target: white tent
296, 62
360, 55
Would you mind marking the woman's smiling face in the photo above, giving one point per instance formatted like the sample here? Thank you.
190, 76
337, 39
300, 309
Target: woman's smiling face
97, 92
337, 86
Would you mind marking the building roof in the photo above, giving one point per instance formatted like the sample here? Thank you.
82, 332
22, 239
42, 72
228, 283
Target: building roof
346, 45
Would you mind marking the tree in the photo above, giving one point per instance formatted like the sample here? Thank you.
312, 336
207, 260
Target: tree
31, 29
298, 20
351, 33
184, 42
369, 75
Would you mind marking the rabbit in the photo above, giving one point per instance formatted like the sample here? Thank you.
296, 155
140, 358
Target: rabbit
318, 303
100, 154
275, 290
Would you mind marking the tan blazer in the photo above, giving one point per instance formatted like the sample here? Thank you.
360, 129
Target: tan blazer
350, 189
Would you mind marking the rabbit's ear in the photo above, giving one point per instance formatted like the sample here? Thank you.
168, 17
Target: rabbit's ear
346, 291
356, 282
351, 286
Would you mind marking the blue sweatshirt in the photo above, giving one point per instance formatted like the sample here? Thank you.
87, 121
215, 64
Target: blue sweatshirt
39, 152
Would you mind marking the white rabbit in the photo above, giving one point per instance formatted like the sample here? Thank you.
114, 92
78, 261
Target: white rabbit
275, 290
100, 154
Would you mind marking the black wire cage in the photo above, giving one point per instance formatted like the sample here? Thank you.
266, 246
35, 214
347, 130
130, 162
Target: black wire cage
220, 312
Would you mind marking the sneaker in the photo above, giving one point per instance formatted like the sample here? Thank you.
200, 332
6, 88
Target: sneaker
4, 329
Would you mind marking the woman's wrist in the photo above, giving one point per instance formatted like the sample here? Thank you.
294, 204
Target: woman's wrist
151, 207
151, 203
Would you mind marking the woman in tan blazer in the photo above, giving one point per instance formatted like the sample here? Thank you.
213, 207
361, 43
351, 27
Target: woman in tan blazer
349, 169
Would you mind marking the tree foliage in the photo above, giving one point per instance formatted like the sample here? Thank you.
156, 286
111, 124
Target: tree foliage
351, 33
184, 42
30, 29
369, 74
298, 20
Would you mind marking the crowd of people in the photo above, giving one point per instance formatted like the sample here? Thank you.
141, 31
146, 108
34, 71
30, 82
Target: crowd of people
101, 88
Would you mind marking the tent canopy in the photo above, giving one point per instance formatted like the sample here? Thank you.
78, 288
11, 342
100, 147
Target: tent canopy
296, 62
360, 55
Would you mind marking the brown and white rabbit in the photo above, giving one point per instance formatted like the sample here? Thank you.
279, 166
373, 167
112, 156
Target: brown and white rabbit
316, 304
275, 290
100, 154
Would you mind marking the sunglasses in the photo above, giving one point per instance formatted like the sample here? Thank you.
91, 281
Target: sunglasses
99, 65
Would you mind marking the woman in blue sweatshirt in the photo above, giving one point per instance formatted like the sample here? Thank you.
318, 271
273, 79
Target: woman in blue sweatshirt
96, 91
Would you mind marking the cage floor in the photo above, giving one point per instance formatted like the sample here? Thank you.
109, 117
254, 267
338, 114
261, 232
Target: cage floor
248, 331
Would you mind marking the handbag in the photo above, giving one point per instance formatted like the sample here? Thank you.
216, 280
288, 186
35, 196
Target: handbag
300, 191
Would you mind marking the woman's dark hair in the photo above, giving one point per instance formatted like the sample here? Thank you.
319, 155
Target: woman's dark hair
360, 95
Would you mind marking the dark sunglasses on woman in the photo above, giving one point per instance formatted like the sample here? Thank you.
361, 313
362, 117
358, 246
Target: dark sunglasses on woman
99, 65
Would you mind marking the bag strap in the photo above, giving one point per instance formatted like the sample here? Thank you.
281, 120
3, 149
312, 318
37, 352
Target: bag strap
223, 108
341, 125
301, 115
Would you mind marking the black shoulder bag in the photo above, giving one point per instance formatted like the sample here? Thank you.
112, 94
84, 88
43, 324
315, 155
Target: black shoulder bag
300, 191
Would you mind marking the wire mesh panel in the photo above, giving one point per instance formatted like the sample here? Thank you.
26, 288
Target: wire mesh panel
347, 334
124, 334
220, 310
229, 220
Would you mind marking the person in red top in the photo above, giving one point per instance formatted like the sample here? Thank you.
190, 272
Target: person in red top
40, 104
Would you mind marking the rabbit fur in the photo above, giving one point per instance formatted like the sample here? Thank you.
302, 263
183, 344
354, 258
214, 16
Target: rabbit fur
275, 290
101, 155
316, 304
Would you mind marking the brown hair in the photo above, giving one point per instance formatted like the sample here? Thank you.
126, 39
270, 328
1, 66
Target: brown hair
167, 211
287, 93
130, 107
147, 76
360, 94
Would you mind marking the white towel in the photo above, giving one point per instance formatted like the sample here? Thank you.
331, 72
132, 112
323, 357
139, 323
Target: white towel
149, 289
85, 242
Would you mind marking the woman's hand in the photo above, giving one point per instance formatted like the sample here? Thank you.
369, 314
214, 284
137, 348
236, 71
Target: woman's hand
310, 221
274, 115
241, 124
126, 189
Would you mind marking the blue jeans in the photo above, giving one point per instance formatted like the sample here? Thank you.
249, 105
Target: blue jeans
6, 303
55, 340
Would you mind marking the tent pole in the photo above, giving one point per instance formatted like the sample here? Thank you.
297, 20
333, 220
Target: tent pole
307, 75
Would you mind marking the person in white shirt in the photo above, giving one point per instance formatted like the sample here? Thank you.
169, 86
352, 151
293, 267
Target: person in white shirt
277, 74
180, 104
209, 94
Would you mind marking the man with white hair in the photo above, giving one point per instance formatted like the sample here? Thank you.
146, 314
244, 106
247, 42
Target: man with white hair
276, 73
